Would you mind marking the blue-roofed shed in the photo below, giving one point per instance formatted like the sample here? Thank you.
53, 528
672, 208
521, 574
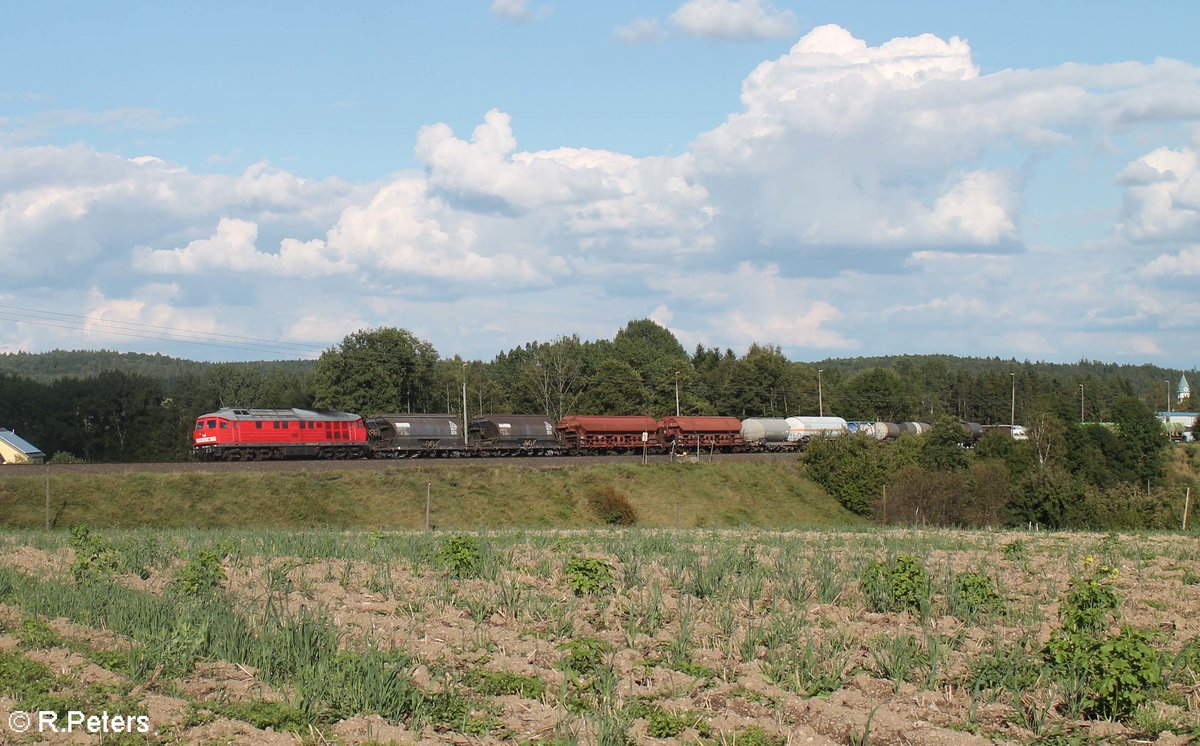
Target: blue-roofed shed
16, 450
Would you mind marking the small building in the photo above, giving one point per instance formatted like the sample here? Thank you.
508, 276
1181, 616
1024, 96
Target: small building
16, 450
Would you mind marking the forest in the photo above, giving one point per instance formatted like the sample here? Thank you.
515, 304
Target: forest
107, 406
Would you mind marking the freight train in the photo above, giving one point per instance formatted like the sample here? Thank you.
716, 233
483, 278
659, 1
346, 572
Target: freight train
268, 434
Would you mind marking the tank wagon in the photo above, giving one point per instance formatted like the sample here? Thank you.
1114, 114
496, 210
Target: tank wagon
687, 433
259, 434
802, 428
767, 434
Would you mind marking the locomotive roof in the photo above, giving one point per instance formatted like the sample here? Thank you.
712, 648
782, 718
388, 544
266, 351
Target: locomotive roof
233, 413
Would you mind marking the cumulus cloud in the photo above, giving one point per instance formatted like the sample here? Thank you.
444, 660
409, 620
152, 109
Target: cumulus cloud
733, 19
232, 247
1184, 264
1162, 196
639, 30
858, 197
518, 10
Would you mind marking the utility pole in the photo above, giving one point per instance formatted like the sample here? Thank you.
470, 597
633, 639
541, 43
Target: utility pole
676, 393
1012, 418
820, 397
465, 440
1168, 397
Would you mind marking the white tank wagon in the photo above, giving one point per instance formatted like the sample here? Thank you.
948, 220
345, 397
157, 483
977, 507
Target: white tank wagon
768, 433
803, 428
876, 430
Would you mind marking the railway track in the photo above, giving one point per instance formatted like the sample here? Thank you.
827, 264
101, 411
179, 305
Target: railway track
224, 467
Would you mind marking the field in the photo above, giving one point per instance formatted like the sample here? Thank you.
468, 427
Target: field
606, 636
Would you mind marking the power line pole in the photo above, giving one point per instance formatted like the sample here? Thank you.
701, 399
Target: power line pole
820, 395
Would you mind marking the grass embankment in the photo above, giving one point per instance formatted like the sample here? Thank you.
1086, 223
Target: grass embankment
684, 495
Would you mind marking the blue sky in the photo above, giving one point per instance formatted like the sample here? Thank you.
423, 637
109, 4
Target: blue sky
836, 178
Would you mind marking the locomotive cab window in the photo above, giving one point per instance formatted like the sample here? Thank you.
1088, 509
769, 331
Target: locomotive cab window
258, 425
212, 424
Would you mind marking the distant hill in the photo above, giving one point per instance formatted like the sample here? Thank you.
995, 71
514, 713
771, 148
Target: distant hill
45, 367
1141, 378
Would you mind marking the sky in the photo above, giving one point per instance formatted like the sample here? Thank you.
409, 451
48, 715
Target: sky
242, 181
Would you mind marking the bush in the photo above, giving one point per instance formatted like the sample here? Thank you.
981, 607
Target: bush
613, 506
852, 469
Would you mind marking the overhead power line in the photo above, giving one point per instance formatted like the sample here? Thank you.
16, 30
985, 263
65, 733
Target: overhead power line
139, 330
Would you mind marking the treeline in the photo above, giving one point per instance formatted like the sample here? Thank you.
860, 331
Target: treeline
1067, 475
46, 367
141, 407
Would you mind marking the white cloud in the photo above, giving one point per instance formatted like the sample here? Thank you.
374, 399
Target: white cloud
860, 198
1162, 196
733, 19
639, 31
232, 247
1184, 264
518, 10
401, 232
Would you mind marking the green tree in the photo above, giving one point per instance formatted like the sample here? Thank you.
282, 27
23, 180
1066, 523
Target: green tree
876, 394
377, 370
942, 447
851, 468
1143, 440
616, 388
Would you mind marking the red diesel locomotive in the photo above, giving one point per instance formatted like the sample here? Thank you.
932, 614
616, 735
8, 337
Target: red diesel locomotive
259, 434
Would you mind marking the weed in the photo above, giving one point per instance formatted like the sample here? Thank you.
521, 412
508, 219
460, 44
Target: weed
280, 716
460, 555
756, 736
497, 683
974, 596
35, 633
201, 575
95, 559
899, 585
588, 575
584, 655
1016, 550
23, 680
